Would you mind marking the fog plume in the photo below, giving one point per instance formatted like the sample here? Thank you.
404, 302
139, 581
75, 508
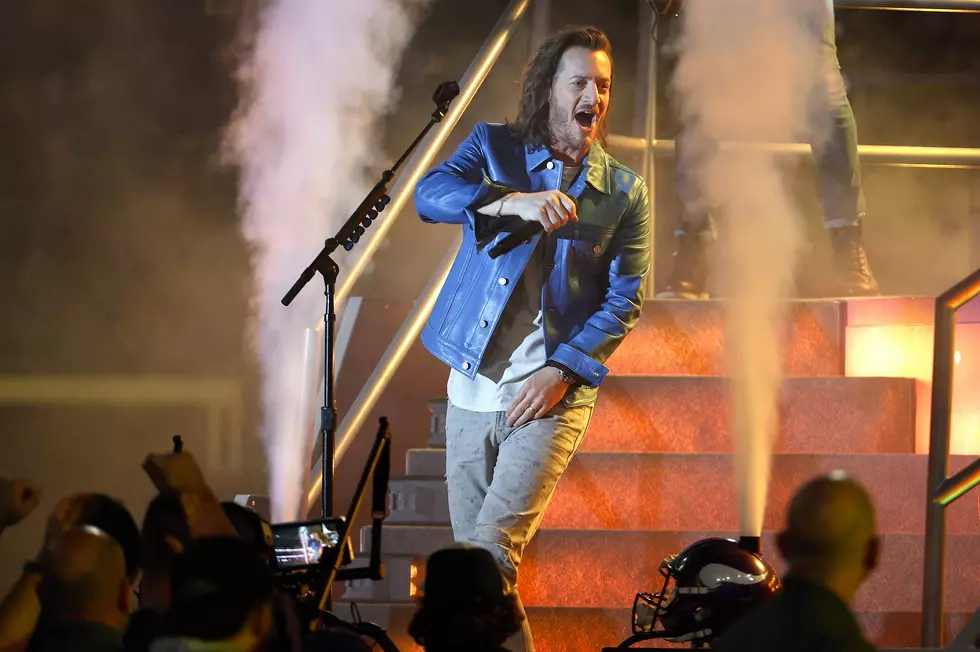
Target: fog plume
745, 74
315, 79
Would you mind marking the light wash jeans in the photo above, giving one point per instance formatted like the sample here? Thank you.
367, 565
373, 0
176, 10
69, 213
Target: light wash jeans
501, 480
835, 151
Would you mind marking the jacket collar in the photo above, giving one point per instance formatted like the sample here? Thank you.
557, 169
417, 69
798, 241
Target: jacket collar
596, 163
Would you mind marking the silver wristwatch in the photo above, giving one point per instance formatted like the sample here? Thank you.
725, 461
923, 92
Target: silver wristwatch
565, 376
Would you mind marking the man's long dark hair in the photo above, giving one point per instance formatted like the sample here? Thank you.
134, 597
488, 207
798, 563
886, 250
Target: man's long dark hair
531, 125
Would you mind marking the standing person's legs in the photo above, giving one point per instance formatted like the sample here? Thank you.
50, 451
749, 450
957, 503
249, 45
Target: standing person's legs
695, 230
501, 481
835, 154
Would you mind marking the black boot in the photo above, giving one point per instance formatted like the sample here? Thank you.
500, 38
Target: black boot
853, 270
690, 274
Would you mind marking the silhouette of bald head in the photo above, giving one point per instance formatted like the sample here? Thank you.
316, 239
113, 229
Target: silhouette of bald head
830, 528
84, 578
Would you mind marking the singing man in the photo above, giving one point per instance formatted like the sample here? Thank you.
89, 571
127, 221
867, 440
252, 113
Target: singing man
527, 334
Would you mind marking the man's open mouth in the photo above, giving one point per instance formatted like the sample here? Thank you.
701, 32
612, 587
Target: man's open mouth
585, 119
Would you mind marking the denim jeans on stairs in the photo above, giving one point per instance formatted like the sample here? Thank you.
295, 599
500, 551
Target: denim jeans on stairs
835, 151
501, 479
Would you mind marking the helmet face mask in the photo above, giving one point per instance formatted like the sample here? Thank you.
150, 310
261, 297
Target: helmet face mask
706, 587
648, 607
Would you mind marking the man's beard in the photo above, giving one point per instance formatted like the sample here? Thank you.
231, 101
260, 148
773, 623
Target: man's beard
565, 131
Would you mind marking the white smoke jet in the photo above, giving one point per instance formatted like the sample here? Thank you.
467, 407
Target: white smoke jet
746, 72
316, 78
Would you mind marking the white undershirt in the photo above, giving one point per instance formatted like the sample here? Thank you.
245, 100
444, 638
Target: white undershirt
517, 348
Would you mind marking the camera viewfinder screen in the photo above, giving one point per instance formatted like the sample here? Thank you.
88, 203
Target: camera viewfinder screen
301, 545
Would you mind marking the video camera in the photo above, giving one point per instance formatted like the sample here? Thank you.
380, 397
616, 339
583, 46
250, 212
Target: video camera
310, 556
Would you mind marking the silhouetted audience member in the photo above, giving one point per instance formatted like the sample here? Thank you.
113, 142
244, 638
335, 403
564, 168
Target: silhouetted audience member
831, 546
164, 536
221, 599
336, 640
20, 609
463, 606
185, 507
113, 518
254, 531
85, 594
251, 528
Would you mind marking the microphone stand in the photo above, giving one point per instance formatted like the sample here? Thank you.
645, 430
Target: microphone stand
348, 235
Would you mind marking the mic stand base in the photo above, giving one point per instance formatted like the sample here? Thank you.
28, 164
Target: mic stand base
379, 468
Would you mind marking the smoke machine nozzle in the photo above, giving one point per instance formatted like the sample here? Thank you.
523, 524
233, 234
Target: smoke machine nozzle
751, 544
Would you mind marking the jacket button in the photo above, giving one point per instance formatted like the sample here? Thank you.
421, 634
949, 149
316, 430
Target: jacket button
597, 249
502, 281
466, 366
550, 165
484, 323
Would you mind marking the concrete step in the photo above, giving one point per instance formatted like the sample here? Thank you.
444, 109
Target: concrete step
678, 337
590, 629
690, 414
606, 568
680, 491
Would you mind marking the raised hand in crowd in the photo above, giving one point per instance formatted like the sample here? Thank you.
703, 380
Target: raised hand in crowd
18, 498
21, 607
179, 474
67, 514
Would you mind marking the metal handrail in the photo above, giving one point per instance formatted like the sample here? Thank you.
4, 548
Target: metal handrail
942, 490
471, 82
433, 142
899, 155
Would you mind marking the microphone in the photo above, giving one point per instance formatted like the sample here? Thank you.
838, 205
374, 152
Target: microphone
525, 232
519, 235
443, 97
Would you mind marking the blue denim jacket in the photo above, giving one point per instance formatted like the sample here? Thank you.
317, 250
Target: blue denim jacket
595, 271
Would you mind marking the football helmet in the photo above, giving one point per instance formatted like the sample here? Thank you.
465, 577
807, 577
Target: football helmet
707, 586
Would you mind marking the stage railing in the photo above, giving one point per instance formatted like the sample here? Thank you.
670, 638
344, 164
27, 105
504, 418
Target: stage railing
899, 155
403, 190
941, 489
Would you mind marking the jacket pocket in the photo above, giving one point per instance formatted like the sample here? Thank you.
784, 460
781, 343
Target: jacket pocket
590, 243
588, 262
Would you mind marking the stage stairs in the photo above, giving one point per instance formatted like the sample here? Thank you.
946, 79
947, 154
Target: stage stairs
656, 473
